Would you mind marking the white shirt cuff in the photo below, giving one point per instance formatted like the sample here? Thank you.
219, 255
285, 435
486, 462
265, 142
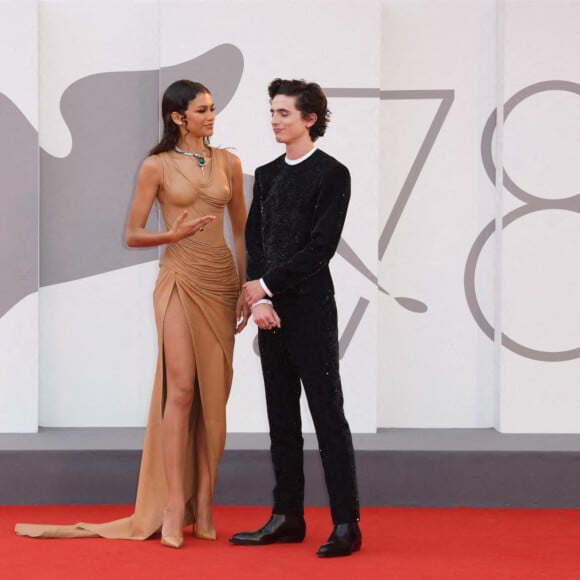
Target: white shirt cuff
266, 289
262, 301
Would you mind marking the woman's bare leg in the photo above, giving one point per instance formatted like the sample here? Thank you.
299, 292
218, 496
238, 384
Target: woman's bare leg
180, 373
203, 500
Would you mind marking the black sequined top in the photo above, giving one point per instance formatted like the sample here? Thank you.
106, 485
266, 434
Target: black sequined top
295, 222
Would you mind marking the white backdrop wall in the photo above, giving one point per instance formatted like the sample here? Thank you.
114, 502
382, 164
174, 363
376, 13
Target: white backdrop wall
438, 87
427, 279
19, 216
540, 372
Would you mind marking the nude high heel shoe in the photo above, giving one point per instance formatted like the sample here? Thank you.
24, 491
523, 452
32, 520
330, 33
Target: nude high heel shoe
172, 541
205, 534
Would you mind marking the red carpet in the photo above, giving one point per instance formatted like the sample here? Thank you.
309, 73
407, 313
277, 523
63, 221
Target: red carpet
398, 544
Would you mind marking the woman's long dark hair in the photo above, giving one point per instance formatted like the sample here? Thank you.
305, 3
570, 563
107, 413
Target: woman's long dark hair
176, 98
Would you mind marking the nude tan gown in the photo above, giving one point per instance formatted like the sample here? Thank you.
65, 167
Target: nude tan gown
202, 270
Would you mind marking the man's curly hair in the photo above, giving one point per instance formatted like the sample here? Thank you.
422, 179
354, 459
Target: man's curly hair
310, 98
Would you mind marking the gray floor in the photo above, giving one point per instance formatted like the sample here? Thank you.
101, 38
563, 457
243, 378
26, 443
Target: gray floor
384, 439
396, 467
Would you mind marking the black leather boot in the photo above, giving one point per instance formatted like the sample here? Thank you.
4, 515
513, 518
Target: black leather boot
279, 528
344, 540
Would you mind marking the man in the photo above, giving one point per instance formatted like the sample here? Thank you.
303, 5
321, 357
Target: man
293, 229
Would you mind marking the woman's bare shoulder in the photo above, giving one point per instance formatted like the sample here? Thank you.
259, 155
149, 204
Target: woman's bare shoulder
232, 159
152, 164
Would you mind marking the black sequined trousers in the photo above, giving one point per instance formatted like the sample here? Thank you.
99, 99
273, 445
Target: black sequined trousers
305, 349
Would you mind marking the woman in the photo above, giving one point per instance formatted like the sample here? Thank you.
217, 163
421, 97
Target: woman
198, 309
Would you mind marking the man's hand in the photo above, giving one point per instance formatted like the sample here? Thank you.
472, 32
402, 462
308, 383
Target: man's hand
266, 317
253, 292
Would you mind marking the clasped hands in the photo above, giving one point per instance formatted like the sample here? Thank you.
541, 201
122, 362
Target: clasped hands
263, 314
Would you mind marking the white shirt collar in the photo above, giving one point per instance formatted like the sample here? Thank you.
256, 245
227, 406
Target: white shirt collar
300, 159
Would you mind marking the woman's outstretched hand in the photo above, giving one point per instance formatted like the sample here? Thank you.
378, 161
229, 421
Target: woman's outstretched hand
182, 229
